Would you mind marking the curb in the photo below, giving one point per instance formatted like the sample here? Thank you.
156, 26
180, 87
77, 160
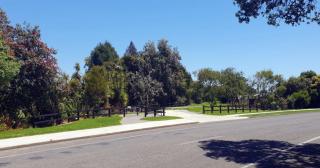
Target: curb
92, 136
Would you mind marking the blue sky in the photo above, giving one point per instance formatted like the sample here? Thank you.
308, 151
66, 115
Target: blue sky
206, 32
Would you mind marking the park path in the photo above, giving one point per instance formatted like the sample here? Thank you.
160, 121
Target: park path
186, 115
201, 118
130, 123
132, 119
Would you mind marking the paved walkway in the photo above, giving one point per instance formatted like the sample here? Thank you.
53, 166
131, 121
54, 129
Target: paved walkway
201, 118
130, 123
132, 119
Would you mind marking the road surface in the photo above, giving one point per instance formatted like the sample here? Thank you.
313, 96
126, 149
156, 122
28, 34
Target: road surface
282, 141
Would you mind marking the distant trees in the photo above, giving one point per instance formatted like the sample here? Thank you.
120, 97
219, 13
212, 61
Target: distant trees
234, 85
210, 81
227, 85
265, 83
303, 91
266, 88
293, 12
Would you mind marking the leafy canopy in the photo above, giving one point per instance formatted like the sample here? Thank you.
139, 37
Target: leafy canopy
103, 52
9, 67
292, 12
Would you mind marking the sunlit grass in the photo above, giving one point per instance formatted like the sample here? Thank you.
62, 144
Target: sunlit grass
77, 125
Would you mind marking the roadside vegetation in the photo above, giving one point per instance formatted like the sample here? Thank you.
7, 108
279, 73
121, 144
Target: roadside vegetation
77, 125
32, 84
160, 118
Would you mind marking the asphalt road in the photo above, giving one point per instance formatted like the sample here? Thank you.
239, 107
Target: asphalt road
269, 142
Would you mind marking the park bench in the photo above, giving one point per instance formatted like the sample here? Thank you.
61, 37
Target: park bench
46, 120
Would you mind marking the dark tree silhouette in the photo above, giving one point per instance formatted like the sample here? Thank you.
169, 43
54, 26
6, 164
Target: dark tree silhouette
131, 50
292, 12
103, 52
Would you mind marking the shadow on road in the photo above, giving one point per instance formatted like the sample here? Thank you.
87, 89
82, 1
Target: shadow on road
264, 153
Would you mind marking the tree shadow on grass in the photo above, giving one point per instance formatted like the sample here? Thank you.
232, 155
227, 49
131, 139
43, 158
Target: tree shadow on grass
264, 153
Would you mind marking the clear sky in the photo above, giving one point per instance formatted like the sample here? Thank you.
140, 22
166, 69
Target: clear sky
206, 32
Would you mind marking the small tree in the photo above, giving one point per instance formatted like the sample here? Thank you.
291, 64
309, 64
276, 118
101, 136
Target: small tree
96, 87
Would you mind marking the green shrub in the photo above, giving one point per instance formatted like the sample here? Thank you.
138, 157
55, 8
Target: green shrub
299, 100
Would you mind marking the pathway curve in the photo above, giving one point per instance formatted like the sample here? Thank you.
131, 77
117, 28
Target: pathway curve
132, 118
201, 118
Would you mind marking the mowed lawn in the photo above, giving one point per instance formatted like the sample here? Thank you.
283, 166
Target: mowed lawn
198, 108
77, 125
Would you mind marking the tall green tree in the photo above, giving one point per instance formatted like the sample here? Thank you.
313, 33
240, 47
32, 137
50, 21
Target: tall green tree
104, 55
159, 64
118, 84
265, 83
131, 50
143, 89
103, 52
131, 59
164, 64
234, 84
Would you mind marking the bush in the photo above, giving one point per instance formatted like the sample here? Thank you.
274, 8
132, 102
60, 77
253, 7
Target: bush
299, 100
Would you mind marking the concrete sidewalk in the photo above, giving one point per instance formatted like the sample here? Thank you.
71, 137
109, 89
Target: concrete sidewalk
54, 137
129, 124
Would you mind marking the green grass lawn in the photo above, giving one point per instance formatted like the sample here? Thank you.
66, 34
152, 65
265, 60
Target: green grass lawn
286, 112
77, 125
198, 109
160, 118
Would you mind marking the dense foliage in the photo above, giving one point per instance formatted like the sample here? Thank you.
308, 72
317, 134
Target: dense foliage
293, 12
32, 91
156, 75
265, 88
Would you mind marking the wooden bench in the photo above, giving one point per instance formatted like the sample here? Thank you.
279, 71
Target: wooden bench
46, 120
